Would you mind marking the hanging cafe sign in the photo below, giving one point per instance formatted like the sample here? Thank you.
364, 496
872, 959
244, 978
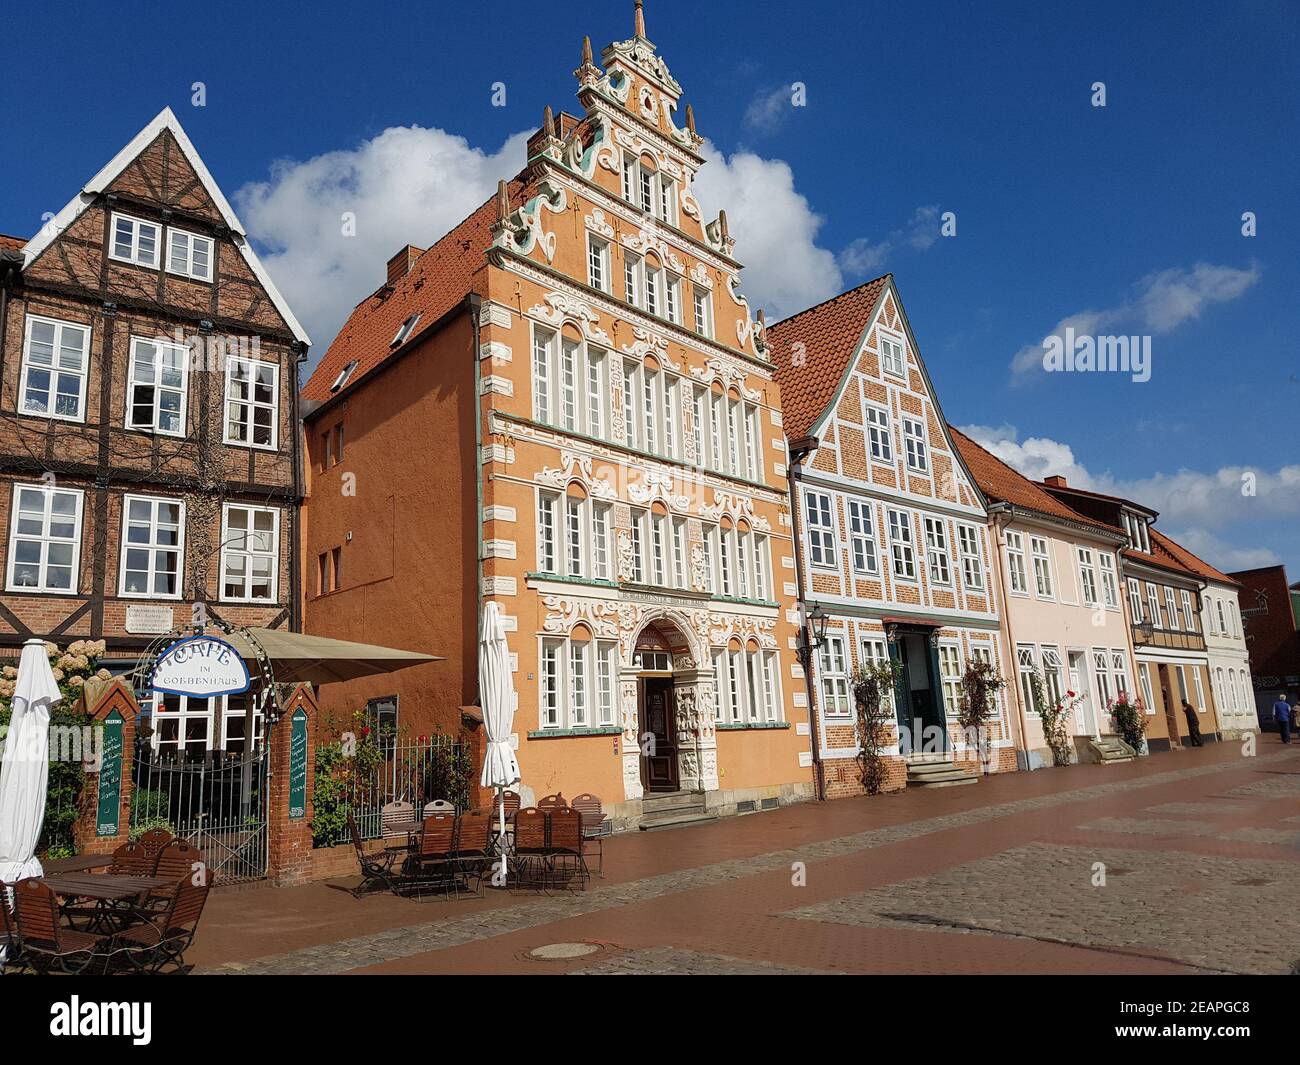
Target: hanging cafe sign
201, 667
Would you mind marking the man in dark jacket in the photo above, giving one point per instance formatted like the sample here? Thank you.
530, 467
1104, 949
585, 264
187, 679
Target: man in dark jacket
1193, 726
1282, 715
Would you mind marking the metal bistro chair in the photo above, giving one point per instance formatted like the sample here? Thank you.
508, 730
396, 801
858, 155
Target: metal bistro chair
375, 868
434, 861
49, 945
594, 827
565, 863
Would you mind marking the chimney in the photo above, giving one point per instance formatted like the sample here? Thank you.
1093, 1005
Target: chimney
400, 264
1056, 481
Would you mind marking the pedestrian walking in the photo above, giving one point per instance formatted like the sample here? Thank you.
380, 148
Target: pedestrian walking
1282, 715
1193, 726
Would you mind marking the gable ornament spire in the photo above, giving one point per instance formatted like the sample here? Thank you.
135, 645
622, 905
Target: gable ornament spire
638, 22
588, 73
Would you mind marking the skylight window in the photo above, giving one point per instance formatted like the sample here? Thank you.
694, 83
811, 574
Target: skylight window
343, 376
405, 331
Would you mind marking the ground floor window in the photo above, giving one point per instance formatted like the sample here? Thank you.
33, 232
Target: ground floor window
1025, 667
749, 686
950, 674
189, 729
835, 677
576, 682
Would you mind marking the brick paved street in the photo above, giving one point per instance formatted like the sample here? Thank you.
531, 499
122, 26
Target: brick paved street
1199, 852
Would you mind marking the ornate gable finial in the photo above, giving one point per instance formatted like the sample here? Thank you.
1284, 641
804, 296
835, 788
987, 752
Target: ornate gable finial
690, 118
503, 202
548, 121
587, 73
638, 22
722, 226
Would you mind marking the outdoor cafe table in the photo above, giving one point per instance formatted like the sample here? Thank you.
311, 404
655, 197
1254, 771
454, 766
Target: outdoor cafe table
78, 863
104, 887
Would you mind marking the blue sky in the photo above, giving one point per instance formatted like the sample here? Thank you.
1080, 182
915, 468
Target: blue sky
1127, 217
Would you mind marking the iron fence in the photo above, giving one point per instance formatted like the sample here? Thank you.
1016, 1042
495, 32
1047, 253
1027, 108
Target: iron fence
415, 771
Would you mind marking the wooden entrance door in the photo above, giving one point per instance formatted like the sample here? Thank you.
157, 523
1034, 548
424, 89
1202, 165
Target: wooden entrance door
658, 735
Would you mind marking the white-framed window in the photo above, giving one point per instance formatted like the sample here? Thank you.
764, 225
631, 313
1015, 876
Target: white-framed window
874, 651
158, 380
733, 435
679, 575
762, 567
1053, 674
936, 551
579, 654
753, 467
772, 704
698, 407
577, 681
344, 375
702, 300
950, 677
835, 677
972, 561
629, 178
918, 458
726, 571
1145, 679
597, 391
901, 550
711, 561
548, 505
152, 547
548, 676
56, 358
650, 410
1042, 566
189, 254
646, 180
632, 278
1171, 607
1109, 585
1087, 577
1025, 667
250, 553
668, 200
1189, 615
821, 529
1234, 619
403, 331
717, 429
659, 549
1101, 670
600, 528
182, 726
1153, 603
879, 437
653, 288
862, 537
1119, 667
1211, 606
252, 402
606, 681
1135, 599
135, 241
669, 413
1016, 571
44, 539
639, 536
543, 356
735, 694
673, 298
575, 535
892, 360
597, 263
569, 384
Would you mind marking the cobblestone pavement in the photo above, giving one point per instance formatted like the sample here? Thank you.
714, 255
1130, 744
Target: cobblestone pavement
761, 908
1148, 902
665, 961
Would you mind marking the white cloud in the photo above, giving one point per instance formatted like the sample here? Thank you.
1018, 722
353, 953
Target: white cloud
775, 229
863, 256
1163, 301
1190, 503
769, 109
406, 185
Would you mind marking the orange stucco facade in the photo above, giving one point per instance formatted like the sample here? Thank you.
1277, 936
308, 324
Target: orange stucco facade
591, 437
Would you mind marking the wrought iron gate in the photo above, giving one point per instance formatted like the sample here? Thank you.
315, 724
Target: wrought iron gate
217, 802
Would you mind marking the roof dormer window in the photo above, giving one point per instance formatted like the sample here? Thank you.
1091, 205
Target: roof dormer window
405, 331
343, 376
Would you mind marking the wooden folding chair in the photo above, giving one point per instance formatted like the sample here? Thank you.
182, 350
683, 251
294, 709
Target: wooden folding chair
473, 853
434, 862
164, 940
529, 857
565, 862
48, 944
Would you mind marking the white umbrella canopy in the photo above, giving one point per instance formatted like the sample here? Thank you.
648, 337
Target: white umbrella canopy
496, 688
26, 765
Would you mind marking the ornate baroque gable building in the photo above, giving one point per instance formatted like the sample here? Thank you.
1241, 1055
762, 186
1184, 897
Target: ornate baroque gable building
565, 406
148, 423
893, 533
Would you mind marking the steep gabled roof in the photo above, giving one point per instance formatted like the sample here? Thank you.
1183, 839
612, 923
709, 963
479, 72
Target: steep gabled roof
1000, 482
165, 120
1188, 560
829, 333
11, 243
439, 279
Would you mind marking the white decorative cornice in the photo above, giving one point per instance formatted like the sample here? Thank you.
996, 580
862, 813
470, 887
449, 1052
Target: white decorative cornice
564, 307
576, 467
728, 374
598, 223
657, 486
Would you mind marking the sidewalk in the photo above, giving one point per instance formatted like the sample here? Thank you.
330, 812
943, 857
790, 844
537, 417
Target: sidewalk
1197, 851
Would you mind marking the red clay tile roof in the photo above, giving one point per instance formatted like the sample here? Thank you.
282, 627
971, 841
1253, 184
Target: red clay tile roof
999, 481
1189, 560
1160, 555
12, 243
830, 333
439, 279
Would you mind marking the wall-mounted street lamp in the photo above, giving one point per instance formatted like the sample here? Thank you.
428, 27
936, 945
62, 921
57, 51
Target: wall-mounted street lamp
816, 623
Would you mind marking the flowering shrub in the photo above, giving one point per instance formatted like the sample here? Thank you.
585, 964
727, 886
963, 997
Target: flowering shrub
1055, 716
1130, 719
977, 705
871, 684
72, 669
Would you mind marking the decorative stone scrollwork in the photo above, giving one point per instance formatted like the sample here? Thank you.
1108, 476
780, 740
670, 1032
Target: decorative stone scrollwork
563, 613
640, 53
701, 275
657, 485
576, 467
523, 228
651, 238
645, 343
626, 558
737, 507
561, 307
699, 568
728, 373
598, 223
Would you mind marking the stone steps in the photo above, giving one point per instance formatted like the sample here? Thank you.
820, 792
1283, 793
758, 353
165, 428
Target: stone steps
938, 773
673, 809
1111, 750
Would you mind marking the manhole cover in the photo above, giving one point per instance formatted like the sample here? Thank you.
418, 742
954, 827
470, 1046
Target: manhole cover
557, 951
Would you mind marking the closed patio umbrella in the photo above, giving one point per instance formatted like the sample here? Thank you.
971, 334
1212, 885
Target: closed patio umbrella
26, 765
497, 692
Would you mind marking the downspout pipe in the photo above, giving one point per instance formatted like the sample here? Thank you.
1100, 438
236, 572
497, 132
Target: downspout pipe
799, 450
1001, 515
11, 265
299, 480
475, 303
